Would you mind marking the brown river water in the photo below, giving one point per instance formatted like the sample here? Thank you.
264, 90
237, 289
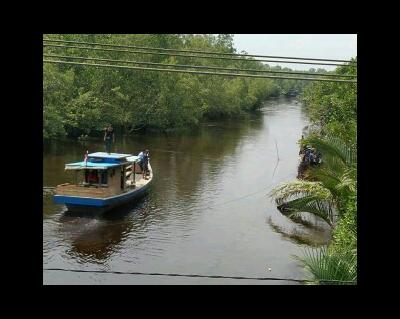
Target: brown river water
207, 211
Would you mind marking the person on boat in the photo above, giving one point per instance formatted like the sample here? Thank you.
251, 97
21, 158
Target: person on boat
109, 138
145, 164
92, 177
141, 154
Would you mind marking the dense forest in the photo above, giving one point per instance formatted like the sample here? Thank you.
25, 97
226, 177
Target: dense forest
329, 190
81, 100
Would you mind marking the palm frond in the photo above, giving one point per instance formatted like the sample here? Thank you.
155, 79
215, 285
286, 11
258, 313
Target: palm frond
299, 188
327, 268
303, 196
348, 180
311, 204
333, 147
327, 177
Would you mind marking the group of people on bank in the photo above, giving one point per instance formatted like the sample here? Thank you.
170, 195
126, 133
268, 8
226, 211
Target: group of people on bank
309, 155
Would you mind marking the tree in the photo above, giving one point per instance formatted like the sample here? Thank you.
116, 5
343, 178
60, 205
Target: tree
334, 183
81, 100
334, 106
225, 42
57, 91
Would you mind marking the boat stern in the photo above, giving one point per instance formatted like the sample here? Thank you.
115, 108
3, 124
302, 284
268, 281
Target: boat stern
76, 200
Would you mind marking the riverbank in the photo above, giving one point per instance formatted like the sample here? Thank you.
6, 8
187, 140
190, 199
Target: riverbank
83, 134
329, 190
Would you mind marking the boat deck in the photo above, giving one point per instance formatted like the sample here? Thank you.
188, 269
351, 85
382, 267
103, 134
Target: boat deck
96, 191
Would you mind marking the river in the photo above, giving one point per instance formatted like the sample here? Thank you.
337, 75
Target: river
207, 211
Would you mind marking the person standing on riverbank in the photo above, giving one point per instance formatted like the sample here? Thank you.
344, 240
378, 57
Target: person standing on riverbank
109, 138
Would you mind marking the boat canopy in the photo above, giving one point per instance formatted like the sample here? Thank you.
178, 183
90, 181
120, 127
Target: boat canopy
90, 165
103, 161
106, 155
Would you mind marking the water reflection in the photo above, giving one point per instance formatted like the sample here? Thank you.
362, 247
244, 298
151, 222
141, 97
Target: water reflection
94, 238
309, 234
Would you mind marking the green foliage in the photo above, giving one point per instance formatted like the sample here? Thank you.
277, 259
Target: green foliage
52, 123
303, 196
81, 100
346, 131
333, 149
84, 113
334, 182
328, 267
339, 260
58, 90
333, 107
345, 234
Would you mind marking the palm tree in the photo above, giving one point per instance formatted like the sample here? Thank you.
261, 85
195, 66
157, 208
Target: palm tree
327, 196
334, 181
331, 267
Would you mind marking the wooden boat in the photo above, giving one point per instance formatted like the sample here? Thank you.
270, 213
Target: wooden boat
103, 181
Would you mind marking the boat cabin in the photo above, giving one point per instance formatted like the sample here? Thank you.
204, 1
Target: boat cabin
103, 175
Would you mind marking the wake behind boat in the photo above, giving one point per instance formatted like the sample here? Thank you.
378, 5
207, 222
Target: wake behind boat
103, 181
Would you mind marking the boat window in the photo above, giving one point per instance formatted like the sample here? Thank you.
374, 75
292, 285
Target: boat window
91, 176
104, 177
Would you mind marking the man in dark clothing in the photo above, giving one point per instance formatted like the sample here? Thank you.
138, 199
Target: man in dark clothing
145, 163
307, 153
109, 138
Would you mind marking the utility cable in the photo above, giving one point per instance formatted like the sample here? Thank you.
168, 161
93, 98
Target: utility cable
188, 56
194, 51
198, 72
195, 66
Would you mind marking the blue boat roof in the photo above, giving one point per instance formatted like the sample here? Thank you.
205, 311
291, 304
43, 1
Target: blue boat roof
83, 165
106, 155
102, 160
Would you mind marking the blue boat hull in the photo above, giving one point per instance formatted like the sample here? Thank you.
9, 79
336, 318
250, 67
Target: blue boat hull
99, 205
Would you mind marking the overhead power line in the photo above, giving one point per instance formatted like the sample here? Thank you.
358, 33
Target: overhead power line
197, 72
195, 51
187, 56
196, 66
196, 275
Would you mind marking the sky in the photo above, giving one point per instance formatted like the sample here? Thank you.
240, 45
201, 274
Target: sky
325, 46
